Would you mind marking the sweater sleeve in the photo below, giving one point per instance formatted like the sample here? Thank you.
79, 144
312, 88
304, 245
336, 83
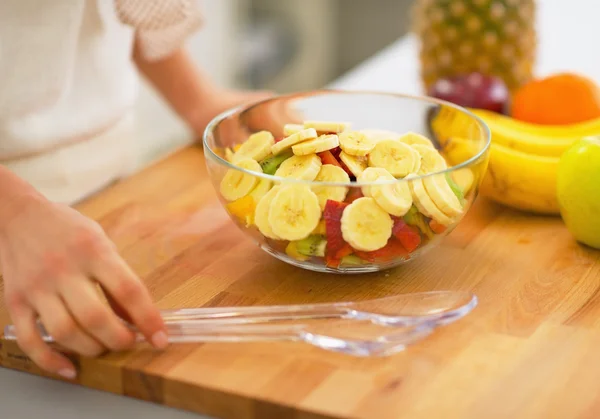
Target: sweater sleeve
161, 26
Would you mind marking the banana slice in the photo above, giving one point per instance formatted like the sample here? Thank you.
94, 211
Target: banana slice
294, 212
328, 126
261, 213
300, 167
431, 160
289, 129
424, 203
395, 198
441, 194
257, 146
371, 174
355, 164
412, 138
318, 145
355, 143
464, 178
365, 226
331, 173
236, 184
396, 157
288, 142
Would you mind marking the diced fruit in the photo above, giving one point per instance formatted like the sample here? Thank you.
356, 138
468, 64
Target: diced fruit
352, 260
293, 139
272, 163
437, 227
425, 204
327, 157
294, 212
353, 165
300, 167
464, 178
334, 174
431, 160
353, 195
236, 184
332, 214
257, 146
391, 251
455, 188
407, 235
292, 251
355, 143
443, 197
316, 145
372, 174
261, 215
320, 229
365, 226
397, 158
289, 129
243, 209
414, 218
312, 246
473, 90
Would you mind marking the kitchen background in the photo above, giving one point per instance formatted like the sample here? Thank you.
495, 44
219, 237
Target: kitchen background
283, 45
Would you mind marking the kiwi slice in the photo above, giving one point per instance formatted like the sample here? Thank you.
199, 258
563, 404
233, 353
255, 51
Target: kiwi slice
312, 245
272, 163
352, 260
414, 218
456, 189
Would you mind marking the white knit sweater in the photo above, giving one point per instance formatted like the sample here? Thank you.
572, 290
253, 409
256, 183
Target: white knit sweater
68, 85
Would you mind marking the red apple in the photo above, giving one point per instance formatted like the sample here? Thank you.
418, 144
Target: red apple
473, 90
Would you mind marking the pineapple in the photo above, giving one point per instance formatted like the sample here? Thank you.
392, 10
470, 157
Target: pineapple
492, 37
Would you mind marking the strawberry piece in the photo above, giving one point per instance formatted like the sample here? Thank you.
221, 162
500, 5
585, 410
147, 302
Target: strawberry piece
392, 250
336, 246
353, 195
327, 157
336, 152
407, 235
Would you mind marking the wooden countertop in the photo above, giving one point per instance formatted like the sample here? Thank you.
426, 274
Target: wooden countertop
529, 350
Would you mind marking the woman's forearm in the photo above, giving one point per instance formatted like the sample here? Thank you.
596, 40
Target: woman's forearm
181, 83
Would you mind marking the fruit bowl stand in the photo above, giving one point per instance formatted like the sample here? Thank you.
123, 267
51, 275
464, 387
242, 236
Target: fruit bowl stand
528, 351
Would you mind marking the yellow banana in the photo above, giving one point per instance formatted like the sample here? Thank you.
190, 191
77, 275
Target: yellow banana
521, 180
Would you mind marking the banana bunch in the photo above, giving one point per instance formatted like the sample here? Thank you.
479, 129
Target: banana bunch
523, 161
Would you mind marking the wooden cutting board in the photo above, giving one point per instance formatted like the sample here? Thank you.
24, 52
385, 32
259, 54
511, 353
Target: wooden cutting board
529, 350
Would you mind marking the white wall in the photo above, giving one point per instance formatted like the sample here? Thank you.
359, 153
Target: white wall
159, 129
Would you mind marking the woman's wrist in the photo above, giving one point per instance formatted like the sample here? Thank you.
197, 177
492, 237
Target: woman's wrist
15, 196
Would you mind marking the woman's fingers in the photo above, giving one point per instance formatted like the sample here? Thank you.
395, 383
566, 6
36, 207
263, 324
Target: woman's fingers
30, 341
97, 319
129, 292
63, 328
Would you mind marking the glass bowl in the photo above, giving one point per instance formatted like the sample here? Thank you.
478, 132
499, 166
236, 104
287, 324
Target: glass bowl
323, 207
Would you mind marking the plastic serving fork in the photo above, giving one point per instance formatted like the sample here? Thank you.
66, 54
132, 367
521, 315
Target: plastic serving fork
375, 327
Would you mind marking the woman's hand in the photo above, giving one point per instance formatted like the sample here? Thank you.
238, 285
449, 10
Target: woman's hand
52, 259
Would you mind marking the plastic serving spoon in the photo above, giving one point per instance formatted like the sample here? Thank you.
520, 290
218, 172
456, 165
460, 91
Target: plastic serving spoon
356, 328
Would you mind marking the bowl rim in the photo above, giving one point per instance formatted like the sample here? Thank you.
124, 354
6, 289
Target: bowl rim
314, 92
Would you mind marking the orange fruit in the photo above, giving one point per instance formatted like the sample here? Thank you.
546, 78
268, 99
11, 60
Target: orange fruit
560, 99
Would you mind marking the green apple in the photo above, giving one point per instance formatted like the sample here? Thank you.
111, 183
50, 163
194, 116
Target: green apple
578, 190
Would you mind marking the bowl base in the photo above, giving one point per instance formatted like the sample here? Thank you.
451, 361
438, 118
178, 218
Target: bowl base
342, 270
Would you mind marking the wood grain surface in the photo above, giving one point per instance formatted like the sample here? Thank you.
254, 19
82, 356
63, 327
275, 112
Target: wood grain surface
529, 350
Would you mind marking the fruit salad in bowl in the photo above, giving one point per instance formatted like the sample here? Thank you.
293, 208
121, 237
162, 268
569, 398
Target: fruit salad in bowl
345, 182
